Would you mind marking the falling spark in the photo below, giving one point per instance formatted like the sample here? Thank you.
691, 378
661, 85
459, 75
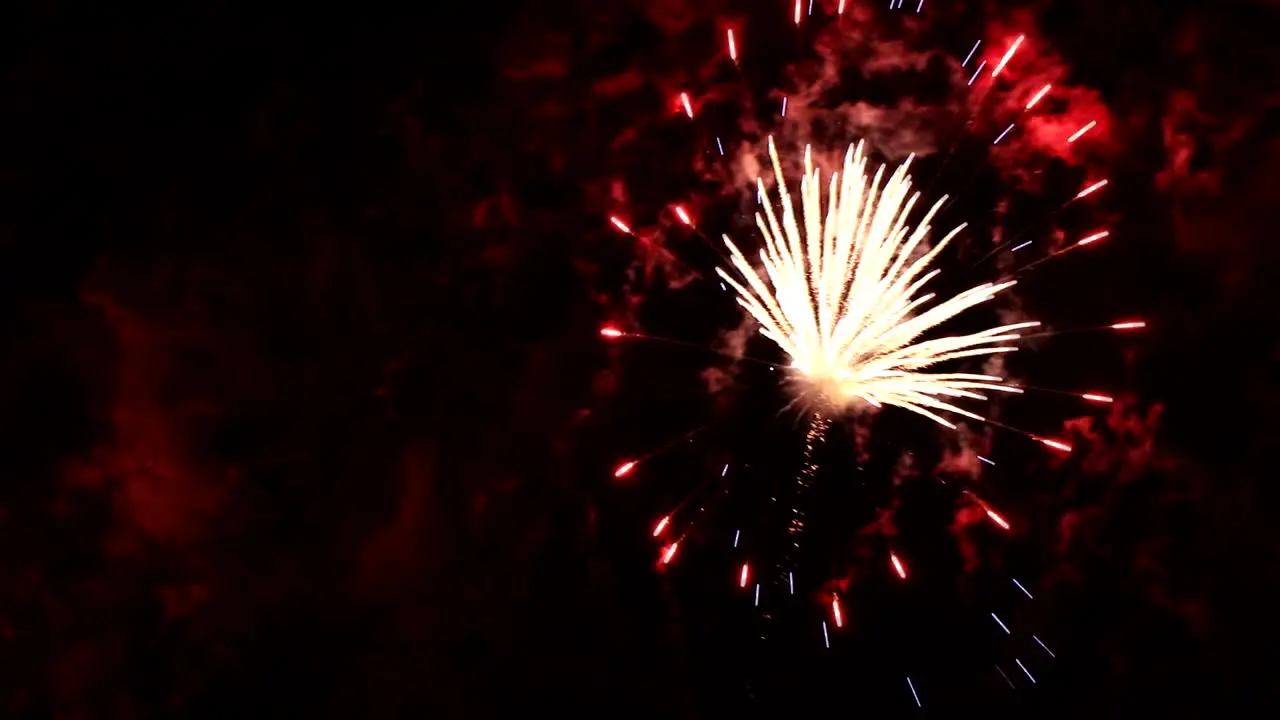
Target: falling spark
977, 72
670, 552
736, 535
617, 222
1041, 644
1024, 669
1006, 132
840, 302
810, 7
1089, 190
995, 518
969, 57
986, 461
898, 567
1098, 398
720, 147
623, 469
1093, 238
1055, 444
742, 577
684, 216
1007, 55
835, 611
725, 470
1134, 325
733, 47
784, 106
1024, 590
1038, 97
1003, 675
797, 12
610, 332
1016, 249
688, 107
920, 6
826, 639
913, 692
1076, 135
662, 525
1001, 624
757, 594
791, 582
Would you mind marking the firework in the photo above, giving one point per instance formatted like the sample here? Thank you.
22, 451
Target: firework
842, 296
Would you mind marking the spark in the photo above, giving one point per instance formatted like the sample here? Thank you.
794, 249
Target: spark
688, 107
757, 594
624, 468
720, 147
791, 582
670, 552
1133, 325
841, 299
725, 470
1003, 675
835, 611
810, 7
1024, 590
784, 106
733, 47
1055, 444
920, 6
610, 332
1076, 135
898, 567
986, 461
684, 216
1001, 624
826, 639
662, 525
1090, 190
969, 57
742, 576
736, 535
977, 72
913, 692
1098, 398
1006, 132
1007, 55
1025, 670
1041, 644
1093, 238
797, 12
997, 519
1038, 97
1016, 249
618, 223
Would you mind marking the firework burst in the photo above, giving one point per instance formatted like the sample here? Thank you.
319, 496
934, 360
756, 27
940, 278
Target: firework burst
842, 296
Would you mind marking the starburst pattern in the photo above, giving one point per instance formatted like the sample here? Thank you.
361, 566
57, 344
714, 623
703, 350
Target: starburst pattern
841, 297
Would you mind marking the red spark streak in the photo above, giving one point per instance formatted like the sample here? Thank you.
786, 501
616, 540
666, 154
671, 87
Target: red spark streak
610, 332
840, 9
684, 216
623, 469
835, 610
1076, 135
995, 518
1091, 238
742, 577
1097, 398
1007, 55
662, 525
1038, 96
1055, 444
688, 107
670, 552
1132, 325
617, 222
1089, 190
898, 567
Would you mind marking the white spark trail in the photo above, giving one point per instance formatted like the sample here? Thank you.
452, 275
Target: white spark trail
840, 294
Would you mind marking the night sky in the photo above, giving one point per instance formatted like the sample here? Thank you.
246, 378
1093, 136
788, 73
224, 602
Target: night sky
305, 412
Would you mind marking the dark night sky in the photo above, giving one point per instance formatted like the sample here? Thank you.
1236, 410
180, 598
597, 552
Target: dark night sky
305, 415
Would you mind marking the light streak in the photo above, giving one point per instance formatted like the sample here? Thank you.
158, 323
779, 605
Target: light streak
810, 7
977, 72
969, 57
898, 567
733, 48
1091, 189
835, 611
826, 639
1019, 247
1001, 624
840, 8
662, 525
1041, 644
670, 552
920, 6
688, 107
1129, 325
1055, 444
1007, 55
797, 12
684, 216
791, 582
736, 535
610, 332
1038, 97
720, 147
757, 594
913, 692
1023, 589
986, 461
1006, 132
725, 470
1098, 398
1003, 675
618, 223
742, 576
1025, 670
784, 106
841, 299
1076, 135
624, 468
1093, 238
995, 518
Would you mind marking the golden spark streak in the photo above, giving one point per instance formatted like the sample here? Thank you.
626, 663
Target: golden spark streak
841, 297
